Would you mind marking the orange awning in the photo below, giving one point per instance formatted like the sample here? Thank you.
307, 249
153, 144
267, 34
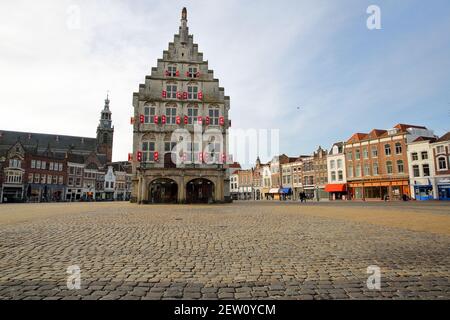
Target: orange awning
337, 187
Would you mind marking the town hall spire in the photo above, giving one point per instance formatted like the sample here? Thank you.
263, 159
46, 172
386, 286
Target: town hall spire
184, 30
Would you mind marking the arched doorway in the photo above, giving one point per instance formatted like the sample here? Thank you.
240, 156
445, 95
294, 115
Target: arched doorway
200, 191
163, 191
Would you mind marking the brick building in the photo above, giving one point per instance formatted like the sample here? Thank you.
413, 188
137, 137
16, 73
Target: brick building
51, 167
377, 162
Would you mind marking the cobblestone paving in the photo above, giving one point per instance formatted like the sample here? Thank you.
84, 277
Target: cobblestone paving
238, 251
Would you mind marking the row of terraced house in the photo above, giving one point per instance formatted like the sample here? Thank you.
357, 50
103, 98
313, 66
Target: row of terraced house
404, 162
37, 167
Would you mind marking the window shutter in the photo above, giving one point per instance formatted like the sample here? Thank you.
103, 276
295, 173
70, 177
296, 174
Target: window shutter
139, 156
155, 119
164, 94
200, 95
132, 120
221, 121
130, 157
200, 120
179, 95
207, 121
185, 95
141, 118
187, 73
167, 73
178, 119
177, 73
156, 156
186, 120
163, 119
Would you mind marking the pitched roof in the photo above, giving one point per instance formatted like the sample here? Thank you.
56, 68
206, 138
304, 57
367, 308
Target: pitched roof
425, 139
376, 133
357, 137
445, 137
403, 127
45, 141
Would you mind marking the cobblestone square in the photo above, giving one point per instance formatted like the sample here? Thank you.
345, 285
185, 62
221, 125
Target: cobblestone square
244, 250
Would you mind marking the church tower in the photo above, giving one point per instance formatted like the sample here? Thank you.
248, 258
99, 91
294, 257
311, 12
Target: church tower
105, 132
181, 94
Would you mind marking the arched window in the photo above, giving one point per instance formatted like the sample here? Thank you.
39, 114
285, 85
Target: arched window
387, 149
442, 163
148, 151
398, 148
214, 114
171, 114
400, 166
389, 168
149, 113
192, 114
171, 89
192, 92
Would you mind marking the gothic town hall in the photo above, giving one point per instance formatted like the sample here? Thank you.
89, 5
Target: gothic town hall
180, 129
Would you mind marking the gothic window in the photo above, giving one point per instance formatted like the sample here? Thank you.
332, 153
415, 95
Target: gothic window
192, 114
192, 92
171, 115
148, 149
172, 71
214, 116
149, 113
171, 91
192, 73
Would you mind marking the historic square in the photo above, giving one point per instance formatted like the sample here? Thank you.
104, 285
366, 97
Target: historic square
244, 250
294, 151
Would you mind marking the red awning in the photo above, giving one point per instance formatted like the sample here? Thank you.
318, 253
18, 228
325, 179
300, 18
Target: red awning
338, 187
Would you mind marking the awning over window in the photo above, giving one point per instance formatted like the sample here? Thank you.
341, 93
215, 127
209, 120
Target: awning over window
274, 190
286, 190
336, 187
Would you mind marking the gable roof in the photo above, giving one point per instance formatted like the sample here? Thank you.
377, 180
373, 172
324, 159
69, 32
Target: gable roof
46, 141
402, 127
445, 137
357, 137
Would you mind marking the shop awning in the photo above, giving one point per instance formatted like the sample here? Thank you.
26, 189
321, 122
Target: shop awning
336, 187
274, 190
286, 190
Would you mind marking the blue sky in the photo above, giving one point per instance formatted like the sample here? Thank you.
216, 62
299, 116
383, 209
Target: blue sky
271, 57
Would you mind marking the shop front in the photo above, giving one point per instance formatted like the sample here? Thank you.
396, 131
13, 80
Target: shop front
286, 193
274, 194
423, 192
379, 190
336, 191
443, 186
